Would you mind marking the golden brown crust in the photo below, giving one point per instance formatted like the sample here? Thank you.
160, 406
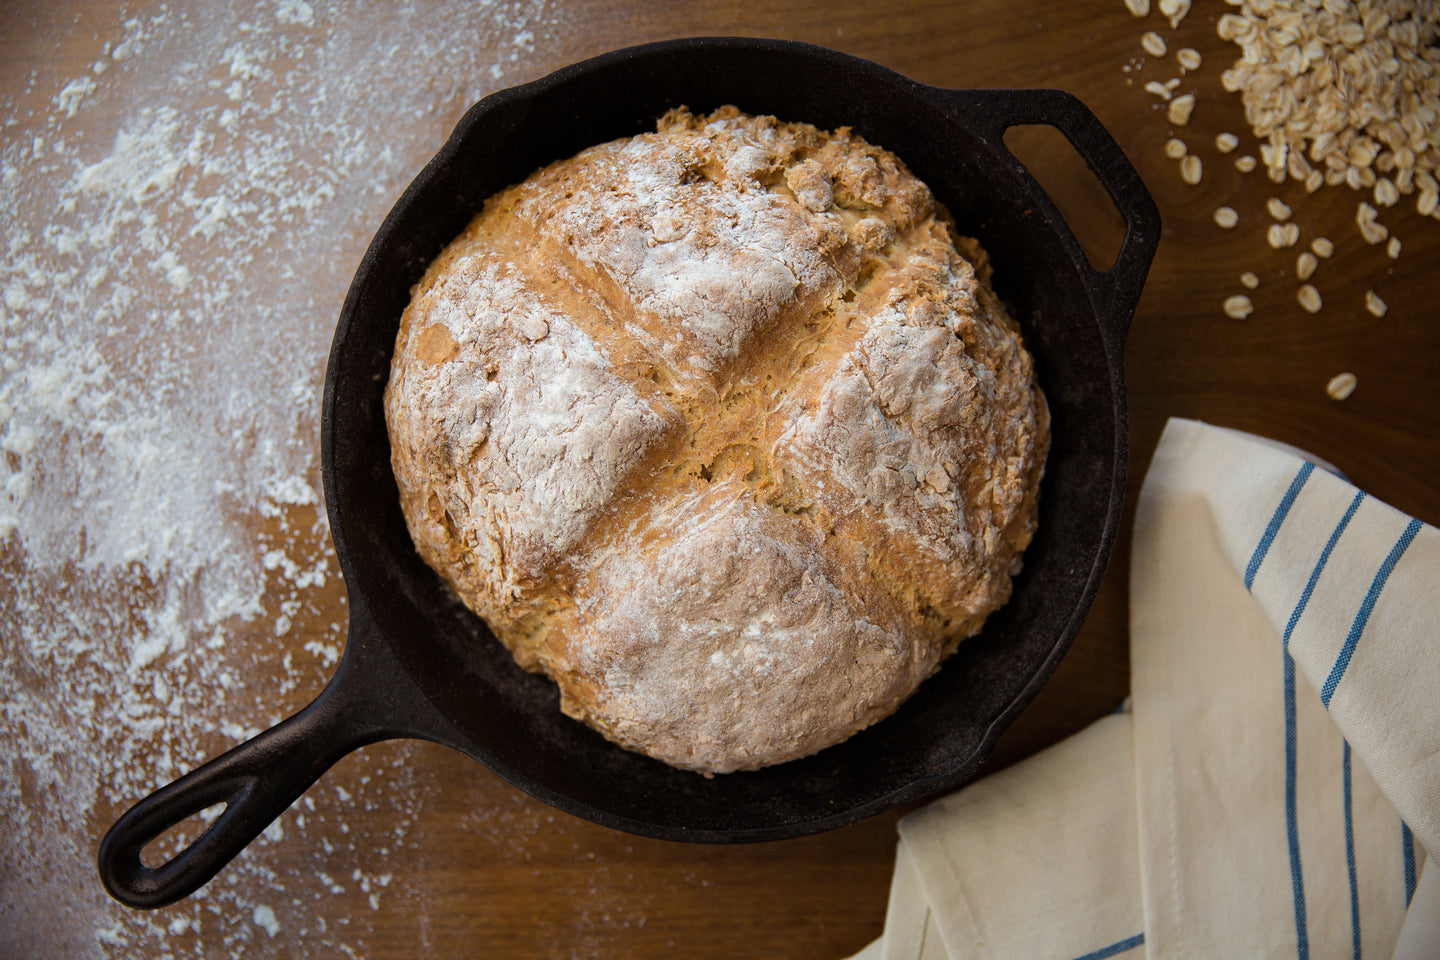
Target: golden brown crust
722, 428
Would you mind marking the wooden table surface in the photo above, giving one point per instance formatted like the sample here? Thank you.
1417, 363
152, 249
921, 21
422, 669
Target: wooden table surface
408, 849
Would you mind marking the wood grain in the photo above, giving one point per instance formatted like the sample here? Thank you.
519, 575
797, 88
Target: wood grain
484, 870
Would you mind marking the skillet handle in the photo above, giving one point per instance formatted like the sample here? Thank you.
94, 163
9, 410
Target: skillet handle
370, 698
1114, 292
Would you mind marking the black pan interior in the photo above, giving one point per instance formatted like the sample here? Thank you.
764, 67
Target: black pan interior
509, 720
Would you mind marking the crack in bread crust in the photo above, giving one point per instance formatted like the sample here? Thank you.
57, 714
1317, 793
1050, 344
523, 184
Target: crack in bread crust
722, 428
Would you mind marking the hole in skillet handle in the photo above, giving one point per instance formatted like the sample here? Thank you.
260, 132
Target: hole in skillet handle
1066, 179
160, 850
1115, 292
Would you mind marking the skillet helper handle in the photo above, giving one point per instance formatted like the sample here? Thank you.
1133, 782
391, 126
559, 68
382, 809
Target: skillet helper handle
1114, 292
369, 699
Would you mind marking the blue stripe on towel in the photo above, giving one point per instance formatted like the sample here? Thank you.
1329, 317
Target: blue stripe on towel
1273, 527
1350, 855
1407, 851
1129, 943
1358, 627
1292, 827
1320, 567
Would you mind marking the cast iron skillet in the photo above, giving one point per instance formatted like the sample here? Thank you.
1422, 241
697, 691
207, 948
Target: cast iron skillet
417, 664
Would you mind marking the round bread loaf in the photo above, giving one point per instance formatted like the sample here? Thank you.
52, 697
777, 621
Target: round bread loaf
722, 428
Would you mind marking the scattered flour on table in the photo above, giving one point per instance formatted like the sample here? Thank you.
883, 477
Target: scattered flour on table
179, 224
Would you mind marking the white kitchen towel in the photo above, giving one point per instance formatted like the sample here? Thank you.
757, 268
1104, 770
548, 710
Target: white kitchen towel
1263, 591
910, 930
1420, 934
1261, 832
1055, 870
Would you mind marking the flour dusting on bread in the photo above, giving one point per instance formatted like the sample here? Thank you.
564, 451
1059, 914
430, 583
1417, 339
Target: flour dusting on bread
723, 428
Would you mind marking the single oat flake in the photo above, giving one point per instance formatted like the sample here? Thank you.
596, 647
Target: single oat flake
1174, 11
1373, 231
1374, 304
1305, 265
1238, 307
1180, 109
1341, 386
1191, 169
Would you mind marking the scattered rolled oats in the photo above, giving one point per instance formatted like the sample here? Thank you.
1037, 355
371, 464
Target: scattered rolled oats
1352, 88
1174, 11
1282, 235
1273, 156
1374, 304
1341, 386
1180, 109
1337, 92
1191, 169
1373, 231
1363, 152
1238, 307
1159, 89
1386, 193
